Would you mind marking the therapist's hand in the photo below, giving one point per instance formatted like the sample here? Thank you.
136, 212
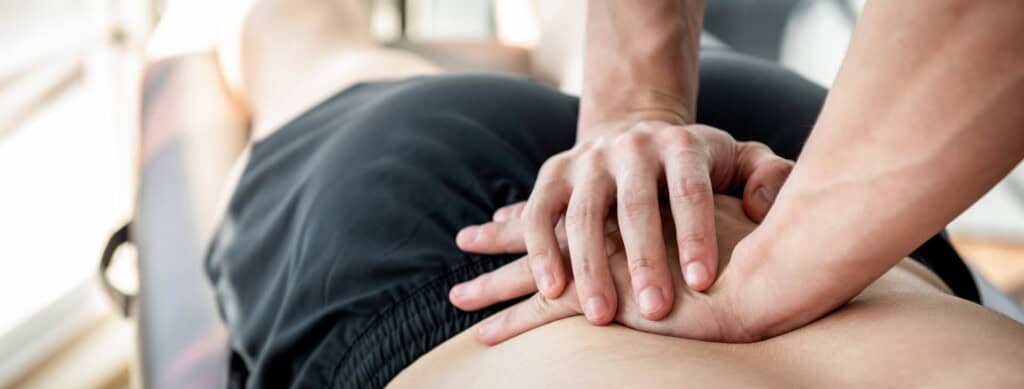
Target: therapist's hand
630, 167
707, 316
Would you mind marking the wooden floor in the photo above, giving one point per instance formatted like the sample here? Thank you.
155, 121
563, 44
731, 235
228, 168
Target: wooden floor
1002, 262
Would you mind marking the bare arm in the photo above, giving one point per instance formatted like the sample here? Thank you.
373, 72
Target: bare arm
928, 108
641, 60
635, 144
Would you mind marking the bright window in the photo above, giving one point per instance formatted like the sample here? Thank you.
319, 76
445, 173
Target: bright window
67, 141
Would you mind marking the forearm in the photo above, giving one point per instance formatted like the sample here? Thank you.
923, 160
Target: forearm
924, 118
641, 57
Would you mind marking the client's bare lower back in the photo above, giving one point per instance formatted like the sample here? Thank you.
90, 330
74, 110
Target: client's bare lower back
901, 332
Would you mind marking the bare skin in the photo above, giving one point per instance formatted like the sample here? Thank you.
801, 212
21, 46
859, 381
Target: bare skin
902, 320
636, 142
926, 108
287, 56
905, 330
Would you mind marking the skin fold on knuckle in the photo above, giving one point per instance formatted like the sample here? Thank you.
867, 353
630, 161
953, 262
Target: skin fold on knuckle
539, 307
637, 203
641, 265
589, 281
584, 213
691, 238
690, 190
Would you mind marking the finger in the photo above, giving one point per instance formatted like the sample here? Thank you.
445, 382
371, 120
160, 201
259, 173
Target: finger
693, 211
585, 225
511, 211
507, 282
501, 237
640, 226
524, 316
763, 174
493, 238
545, 207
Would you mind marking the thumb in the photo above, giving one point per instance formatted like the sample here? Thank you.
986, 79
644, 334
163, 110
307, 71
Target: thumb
762, 174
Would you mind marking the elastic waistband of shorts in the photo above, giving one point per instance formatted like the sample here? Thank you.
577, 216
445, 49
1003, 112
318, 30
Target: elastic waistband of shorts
403, 332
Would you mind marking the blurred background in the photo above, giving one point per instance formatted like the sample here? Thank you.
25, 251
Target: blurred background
72, 170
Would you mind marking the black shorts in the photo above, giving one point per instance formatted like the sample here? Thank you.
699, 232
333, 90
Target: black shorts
333, 263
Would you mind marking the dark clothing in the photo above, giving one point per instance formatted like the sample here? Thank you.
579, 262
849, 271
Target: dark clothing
333, 263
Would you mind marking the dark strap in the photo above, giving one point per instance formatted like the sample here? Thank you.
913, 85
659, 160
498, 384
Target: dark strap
123, 301
940, 256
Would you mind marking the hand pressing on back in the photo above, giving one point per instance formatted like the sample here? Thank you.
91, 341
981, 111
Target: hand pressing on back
699, 315
624, 175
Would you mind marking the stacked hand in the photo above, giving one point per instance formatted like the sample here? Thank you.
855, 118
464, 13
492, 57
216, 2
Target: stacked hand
695, 315
631, 170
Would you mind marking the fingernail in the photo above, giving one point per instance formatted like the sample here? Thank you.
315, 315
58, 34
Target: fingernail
696, 274
467, 235
765, 194
650, 300
595, 309
501, 215
545, 281
464, 289
459, 291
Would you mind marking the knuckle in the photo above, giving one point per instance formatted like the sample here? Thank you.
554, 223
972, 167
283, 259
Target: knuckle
686, 160
633, 142
683, 138
548, 186
542, 207
555, 165
758, 146
580, 213
575, 216
583, 146
694, 237
638, 203
641, 264
591, 159
539, 305
690, 189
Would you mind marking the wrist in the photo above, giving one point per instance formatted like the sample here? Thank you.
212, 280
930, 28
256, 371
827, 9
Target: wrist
613, 114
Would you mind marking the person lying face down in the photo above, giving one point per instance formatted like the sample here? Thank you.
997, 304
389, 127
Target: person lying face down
905, 330
334, 258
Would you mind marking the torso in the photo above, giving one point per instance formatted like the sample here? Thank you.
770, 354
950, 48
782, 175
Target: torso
905, 330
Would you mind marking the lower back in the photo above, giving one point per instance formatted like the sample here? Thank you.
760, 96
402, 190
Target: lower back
905, 330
